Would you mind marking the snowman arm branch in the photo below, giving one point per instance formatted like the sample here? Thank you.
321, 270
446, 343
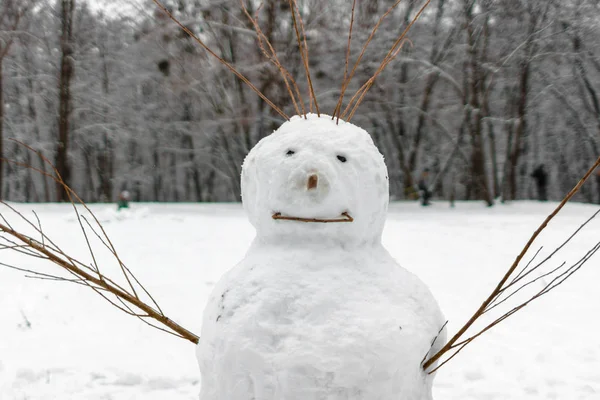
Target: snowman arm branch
457, 338
556, 281
100, 284
523, 275
11, 238
73, 197
563, 272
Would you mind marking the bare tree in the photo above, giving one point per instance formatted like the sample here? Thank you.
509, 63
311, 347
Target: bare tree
473, 107
66, 72
11, 15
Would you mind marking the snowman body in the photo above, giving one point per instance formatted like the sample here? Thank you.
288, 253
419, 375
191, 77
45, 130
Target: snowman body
317, 309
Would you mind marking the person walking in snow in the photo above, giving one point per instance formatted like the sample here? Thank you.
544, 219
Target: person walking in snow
598, 183
423, 185
123, 200
541, 181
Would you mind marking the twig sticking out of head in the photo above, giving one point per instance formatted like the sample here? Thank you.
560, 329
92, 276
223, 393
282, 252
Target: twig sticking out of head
506, 289
303, 47
272, 56
347, 79
221, 60
339, 104
124, 297
392, 53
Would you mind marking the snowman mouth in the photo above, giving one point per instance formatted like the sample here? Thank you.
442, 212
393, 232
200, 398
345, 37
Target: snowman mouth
344, 217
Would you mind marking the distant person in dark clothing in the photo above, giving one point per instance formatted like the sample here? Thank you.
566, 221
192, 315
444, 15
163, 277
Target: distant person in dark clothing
423, 185
598, 183
123, 201
541, 181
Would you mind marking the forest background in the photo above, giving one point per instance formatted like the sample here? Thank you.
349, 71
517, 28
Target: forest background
120, 98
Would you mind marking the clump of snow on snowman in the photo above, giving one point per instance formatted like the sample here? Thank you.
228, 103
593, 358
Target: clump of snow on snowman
318, 309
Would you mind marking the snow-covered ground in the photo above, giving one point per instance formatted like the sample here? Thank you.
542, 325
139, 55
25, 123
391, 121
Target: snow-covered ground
61, 341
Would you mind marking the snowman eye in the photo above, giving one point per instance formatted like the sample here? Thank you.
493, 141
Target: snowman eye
290, 152
342, 158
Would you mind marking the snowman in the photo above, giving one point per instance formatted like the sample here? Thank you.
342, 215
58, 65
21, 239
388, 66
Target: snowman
318, 309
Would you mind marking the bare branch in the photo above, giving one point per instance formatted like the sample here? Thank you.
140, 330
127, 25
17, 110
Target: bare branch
221, 60
346, 83
83, 274
303, 47
456, 339
433, 341
94, 283
341, 99
262, 38
39, 226
392, 53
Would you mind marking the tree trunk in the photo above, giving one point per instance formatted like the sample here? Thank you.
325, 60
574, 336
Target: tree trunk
409, 183
432, 79
35, 122
519, 130
194, 167
157, 181
485, 103
105, 157
524, 76
474, 115
416, 144
64, 90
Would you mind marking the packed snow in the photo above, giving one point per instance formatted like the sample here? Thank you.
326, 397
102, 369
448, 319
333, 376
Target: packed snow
350, 176
61, 341
294, 319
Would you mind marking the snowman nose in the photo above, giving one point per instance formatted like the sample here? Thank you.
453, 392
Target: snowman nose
313, 180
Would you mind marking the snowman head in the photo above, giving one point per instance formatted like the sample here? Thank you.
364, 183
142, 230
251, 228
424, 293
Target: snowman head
315, 181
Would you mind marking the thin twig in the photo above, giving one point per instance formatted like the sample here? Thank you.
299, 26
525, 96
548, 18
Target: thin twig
341, 99
2, 216
497, 303
262, 38
40, 226
102, 283
480, 311
221, 60
106, 241
392, 53
53, 248
312, 97
433, 341
515, 281
71, 194
346, 83
345, 215
556, 281
528, 264
303, 52
85, 275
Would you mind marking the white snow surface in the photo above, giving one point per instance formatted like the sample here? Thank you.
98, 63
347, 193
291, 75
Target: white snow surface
294, 319
62, 341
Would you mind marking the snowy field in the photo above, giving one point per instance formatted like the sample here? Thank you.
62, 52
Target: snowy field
61, 341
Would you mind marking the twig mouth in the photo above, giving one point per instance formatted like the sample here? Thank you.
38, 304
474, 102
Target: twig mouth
344, 217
